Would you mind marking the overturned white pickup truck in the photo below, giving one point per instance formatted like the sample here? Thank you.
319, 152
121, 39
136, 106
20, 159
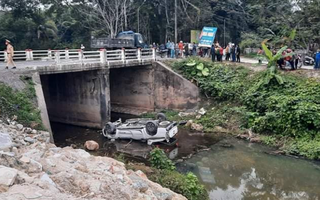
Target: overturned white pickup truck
144, 129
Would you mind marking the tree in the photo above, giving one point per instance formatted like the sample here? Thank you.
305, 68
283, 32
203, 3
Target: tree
108, 15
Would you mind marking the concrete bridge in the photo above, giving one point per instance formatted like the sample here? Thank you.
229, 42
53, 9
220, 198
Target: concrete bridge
83, 88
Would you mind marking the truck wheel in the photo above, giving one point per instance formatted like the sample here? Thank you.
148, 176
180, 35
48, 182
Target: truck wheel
152, 128
109, 128
161, 117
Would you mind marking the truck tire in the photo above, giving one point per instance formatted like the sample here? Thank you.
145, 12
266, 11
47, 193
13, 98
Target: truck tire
109, 128
152, 128
161, 117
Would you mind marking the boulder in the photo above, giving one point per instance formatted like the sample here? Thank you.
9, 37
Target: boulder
45, 177
189, 123
29, 139
91, 145
19, 127
5, 141
202, 111
196, 127
24, 159
7, 175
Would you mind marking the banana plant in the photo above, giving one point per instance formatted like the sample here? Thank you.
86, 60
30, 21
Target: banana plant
272, 63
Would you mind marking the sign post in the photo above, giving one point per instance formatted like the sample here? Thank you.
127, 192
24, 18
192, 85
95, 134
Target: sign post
207, 36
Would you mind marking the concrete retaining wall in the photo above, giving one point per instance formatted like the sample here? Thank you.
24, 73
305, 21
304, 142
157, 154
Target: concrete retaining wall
150, 88
172, 91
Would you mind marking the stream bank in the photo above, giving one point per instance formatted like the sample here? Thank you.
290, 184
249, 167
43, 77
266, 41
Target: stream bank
33, 168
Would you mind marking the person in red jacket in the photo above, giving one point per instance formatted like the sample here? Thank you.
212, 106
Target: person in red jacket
181, 49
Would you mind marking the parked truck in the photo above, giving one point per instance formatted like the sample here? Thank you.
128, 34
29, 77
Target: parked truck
125, 39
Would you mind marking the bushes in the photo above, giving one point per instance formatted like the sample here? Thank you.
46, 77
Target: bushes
19, 103
221, 82
305, 146
159, 160
271, 103
188, 185
292, 109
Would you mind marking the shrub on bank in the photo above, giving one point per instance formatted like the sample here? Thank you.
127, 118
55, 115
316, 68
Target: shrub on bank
164, 173
279, 105
20, 104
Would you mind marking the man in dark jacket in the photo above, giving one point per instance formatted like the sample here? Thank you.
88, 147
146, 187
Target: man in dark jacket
233, 53
238, 53
213, 53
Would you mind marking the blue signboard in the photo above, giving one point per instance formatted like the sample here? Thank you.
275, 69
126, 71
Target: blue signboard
207, 36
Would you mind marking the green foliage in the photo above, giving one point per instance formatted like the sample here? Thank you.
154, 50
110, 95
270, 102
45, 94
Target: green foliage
305, 146
120, 157
269, 140
188, 185
286, 106
197, 69
221, 82
292, 109
224, 114
250, 40
159, 160
19, 103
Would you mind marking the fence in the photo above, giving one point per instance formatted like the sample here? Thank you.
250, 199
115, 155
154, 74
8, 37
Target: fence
72, 55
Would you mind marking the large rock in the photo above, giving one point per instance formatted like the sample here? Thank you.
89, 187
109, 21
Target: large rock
5, 141
91, 145
7, 175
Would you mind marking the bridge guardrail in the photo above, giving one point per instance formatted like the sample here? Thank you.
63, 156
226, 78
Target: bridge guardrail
70, 55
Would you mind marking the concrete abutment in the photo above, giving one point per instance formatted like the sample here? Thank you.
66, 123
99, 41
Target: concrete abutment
86, 98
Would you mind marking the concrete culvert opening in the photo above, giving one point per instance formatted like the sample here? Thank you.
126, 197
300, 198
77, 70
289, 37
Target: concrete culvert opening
77, 98
131, 90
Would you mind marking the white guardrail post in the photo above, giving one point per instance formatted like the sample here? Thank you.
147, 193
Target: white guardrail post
123, 55
57, 56
27, 54
67, 54
103, 56
139, 55
80, 54
154, 54
31, 54
50, 54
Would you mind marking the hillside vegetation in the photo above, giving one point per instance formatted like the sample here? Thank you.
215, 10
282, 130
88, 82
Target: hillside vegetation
287, 114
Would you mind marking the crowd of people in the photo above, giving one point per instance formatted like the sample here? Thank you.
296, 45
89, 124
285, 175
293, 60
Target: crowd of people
217, 53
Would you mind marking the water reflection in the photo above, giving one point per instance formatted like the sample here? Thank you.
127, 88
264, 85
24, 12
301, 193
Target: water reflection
67, 135
246, 172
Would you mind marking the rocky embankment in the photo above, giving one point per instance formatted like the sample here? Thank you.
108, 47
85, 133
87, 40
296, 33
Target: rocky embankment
33, 168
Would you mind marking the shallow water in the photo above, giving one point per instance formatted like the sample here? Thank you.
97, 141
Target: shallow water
246, 171
187, 144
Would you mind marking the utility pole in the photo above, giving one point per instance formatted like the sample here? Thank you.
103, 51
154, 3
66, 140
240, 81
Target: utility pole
224, 32
175, 22
138, 20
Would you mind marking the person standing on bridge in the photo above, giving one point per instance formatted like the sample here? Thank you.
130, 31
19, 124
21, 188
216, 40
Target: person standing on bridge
10, 54
82, 47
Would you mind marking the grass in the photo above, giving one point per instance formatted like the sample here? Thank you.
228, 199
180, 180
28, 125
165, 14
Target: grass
20, 104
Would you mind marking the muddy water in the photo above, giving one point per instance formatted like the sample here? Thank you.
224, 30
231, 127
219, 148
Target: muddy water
245, 171
229, 168
187, 144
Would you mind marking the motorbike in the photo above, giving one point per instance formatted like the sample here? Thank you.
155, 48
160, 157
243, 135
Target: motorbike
308, 60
